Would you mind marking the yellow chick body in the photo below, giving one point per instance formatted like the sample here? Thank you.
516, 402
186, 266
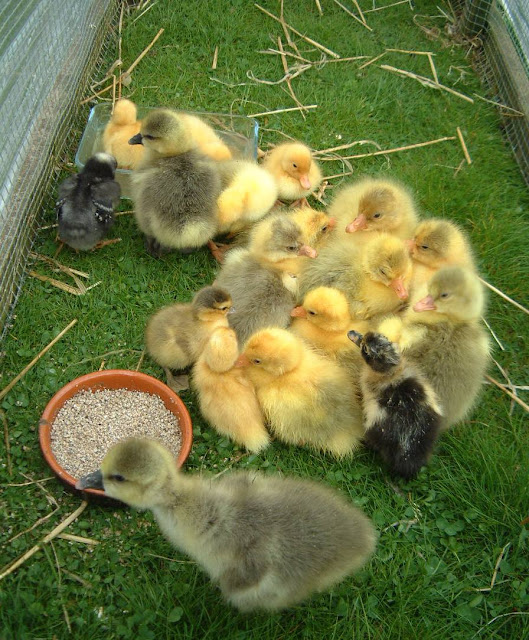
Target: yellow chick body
294, 169
269, 542
306, 398
249, 193
436, 243
323, 320
205, 138
371, 206
226, 396
375, 281
175, 335
121, 127
443, 336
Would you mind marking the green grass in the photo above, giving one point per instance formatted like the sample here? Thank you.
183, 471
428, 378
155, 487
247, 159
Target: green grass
461, 511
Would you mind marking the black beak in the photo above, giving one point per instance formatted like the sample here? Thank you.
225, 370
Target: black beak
92, 480
137, 139
355, 337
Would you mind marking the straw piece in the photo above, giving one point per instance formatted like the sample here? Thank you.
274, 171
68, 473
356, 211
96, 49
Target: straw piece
286, 69
7, 389
509, 393
143, 53
426, 81
267, 113
417, 53
96, 95
7, 444
432, 66
34, 525
499, 104
215, 58
362, 22
271, 51
493, 334
8, 569
394, 4
464, 146
306, 38
72, 538
285, 26
140, 361
345, 146
384, 151
366, 64
339, 175
360, 11
289, 75
57, 283
26, 484
318, 5
503, 295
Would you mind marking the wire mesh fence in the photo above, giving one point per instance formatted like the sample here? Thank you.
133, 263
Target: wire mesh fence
48, 51
503, 28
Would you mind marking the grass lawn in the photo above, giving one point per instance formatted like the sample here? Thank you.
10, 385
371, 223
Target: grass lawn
452, 558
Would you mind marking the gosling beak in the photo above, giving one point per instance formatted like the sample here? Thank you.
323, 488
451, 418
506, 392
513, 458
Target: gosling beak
231, 310
398, 287
305, 182
242, 361
355, 337
332, 223
410, 245
298, 312
137, 139
305, 250
426, 304
92, 480
359, 222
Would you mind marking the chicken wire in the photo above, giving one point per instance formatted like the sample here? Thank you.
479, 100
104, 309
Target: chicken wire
48, 51
503, 28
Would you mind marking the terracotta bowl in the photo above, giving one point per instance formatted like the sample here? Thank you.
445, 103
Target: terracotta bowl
111, 379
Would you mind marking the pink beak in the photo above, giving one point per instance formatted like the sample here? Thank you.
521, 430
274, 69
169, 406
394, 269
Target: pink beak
398, 287
359, 222
331, 223
305, 182
410, 245
305, 250
426, 304
242, 361
298, 312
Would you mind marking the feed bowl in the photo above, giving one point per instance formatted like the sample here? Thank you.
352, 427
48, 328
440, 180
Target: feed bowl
111, 379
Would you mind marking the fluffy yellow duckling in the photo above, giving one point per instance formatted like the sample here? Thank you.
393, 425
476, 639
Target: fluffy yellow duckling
205, 138
226, 396
122, 126
318, 227
323, 320
375, 281
175, 335
175, 188
443, 336
269, 542
437, 243
373, 205
249, 192
306, 398
262, 279
295, 170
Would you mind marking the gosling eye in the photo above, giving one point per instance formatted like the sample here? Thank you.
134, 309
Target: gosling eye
117, 477
256, 361
377, 215
147, 136
444, 295
225, 308
383, 273
425, 247
292, 247
312, 313
324, 229
294, 165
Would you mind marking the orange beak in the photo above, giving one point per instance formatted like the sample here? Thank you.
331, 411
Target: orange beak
426, 304
359, 222
242, 361
410, 245
298, 312
331, 223
398, 287
305, 250
304, 181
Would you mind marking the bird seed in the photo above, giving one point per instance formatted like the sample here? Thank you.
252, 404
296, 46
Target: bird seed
90, 422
